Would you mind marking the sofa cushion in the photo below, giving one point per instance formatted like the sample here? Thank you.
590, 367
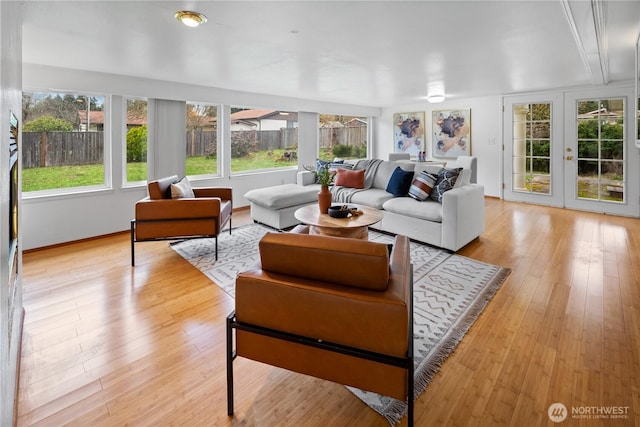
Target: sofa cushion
350, 178
399, 182
373, 197
427, 210
182, 189
422, 185
283, 196
385, 170
348, 262
446, 180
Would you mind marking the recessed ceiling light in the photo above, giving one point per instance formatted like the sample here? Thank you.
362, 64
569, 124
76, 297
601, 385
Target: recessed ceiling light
434, 99
190, 19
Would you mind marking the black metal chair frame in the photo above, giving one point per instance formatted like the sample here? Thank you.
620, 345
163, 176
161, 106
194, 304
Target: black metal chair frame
402, 362
204, 236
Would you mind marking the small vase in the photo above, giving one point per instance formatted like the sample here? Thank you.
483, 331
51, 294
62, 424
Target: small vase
324, 199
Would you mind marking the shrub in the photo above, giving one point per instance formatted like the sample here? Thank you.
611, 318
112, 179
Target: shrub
350, 151
47, 124
342, 151
137, 144
241, 143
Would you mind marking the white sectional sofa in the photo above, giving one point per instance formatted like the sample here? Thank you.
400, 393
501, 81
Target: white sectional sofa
452, 224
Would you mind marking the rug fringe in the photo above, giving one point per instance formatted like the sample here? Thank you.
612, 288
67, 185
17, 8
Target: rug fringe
398, 409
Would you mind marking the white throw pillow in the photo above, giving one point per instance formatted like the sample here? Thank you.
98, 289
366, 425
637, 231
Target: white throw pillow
182, 190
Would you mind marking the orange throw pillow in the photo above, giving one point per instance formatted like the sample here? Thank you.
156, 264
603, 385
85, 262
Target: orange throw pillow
350, 178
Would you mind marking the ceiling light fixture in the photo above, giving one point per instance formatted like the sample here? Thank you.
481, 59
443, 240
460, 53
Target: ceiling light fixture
434, 99
190, 19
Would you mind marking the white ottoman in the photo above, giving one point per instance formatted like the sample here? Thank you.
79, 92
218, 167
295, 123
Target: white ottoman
274, 206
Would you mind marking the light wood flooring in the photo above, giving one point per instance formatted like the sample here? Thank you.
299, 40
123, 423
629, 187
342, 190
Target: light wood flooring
110, 345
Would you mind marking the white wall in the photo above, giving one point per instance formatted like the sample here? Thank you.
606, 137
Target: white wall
57, 219
10, 100
486, 134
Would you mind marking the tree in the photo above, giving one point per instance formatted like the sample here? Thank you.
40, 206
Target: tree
137, 108
47, 124
199, 116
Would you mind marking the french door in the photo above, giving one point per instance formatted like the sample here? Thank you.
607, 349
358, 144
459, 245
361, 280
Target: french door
601, 161
573, 150
533, 149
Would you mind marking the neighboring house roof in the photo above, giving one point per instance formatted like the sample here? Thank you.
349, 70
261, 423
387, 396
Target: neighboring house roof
357, 121
257, 114
97, 117
602, 112
331, 124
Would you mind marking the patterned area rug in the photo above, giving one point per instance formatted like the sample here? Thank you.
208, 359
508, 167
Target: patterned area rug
450, 292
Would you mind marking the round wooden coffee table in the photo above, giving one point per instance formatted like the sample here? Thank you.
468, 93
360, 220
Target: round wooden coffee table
355, 227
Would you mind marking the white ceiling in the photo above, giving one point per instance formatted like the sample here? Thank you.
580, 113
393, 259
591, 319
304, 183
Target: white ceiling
372, 53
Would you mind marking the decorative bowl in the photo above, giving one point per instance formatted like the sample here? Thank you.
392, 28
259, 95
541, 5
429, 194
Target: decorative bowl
340, 211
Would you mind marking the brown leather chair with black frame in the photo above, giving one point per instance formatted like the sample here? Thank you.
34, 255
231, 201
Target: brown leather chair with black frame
192, 213
334, 308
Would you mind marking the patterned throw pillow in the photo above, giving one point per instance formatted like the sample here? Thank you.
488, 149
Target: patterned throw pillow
422, 185
332, 166
446, 180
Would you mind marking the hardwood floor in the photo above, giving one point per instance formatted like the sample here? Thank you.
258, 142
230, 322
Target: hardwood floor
110, 345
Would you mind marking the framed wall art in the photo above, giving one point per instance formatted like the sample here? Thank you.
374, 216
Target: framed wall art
408, 133
452, 133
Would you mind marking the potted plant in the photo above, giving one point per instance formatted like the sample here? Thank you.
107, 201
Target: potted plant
325, 179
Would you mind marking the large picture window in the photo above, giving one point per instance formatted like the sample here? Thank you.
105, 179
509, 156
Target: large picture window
136, 128
202, 139
342, 137
263, 139
63, 143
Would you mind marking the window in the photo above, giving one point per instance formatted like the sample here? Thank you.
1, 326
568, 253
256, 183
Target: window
343, 137
532, 148
601, 150
263, 139
136, 128
63, 143
202, 139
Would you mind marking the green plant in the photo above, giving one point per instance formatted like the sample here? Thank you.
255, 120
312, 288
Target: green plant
325, 177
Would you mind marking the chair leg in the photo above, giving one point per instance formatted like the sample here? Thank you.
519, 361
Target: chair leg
216, 247
230, 358
133, 250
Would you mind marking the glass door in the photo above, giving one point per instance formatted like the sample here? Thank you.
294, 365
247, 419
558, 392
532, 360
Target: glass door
601, 160
533, 149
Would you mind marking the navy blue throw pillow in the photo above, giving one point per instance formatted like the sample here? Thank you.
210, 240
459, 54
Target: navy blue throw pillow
400, 182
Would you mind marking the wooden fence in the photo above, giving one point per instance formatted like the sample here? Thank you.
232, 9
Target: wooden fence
41, 149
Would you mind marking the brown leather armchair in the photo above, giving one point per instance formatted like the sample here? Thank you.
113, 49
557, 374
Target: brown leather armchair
159, 217
334, 308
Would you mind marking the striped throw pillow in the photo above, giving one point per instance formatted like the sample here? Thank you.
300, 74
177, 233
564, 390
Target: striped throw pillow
422, 185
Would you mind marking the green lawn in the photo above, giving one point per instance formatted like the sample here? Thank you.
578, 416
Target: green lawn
47, 178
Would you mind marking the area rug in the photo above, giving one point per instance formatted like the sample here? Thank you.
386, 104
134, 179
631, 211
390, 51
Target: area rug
450, 292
